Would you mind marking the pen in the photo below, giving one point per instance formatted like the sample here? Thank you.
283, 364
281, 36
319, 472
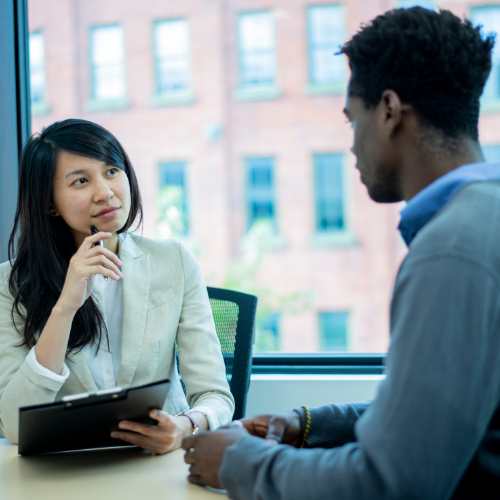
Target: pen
94, 230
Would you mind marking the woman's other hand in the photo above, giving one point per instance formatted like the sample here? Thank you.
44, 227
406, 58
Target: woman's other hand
283, 428
166, 436
89, 260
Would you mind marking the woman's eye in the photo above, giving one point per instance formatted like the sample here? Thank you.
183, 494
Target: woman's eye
78, 181
112, 171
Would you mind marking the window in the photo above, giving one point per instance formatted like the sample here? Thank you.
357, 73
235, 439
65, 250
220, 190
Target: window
257, 51
260, 190
329, 189
492, 153
326, 36
489, 18
333, 331
267, 338
37, 67
407, 4
172, 57
172, 200
108, 63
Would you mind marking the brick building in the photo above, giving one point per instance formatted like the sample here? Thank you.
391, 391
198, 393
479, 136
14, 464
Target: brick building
231, 112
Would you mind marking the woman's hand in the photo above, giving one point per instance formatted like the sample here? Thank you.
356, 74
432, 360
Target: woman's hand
90, 259
167, 436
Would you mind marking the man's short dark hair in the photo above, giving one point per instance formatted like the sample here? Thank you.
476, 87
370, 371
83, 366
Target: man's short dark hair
434, 61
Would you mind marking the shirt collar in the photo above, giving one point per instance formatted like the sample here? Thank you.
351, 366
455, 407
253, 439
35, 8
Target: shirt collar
420, 209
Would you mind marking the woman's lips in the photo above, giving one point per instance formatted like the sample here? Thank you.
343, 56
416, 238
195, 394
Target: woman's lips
107, 215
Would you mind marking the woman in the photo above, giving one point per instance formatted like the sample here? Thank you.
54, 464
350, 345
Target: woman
78, 317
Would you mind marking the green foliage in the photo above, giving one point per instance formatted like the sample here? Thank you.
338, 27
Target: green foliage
171, 215
243, 274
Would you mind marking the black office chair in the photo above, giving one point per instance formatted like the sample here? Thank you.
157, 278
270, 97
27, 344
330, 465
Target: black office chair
234, 317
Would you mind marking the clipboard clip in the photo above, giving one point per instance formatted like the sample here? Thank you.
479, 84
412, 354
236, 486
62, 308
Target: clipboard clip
87, 397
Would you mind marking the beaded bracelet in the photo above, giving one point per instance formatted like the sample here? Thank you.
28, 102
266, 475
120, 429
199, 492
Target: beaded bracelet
308, 426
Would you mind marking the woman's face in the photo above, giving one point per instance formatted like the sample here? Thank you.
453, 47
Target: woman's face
88, 193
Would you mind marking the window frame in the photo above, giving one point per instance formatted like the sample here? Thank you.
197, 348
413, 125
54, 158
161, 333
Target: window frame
491, 104
15, 128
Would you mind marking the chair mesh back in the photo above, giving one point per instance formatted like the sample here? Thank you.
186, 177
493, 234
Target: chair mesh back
234, 318
225, 315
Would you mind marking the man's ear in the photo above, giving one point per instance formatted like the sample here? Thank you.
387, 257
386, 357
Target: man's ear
391, 111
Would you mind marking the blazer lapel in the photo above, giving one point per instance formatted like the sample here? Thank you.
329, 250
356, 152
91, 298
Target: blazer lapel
136, 276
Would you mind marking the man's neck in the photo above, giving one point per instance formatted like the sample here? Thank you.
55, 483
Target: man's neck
424, 167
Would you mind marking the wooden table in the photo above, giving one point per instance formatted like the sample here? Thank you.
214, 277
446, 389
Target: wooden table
117, 473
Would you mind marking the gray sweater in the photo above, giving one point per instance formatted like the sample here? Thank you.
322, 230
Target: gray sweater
433, 430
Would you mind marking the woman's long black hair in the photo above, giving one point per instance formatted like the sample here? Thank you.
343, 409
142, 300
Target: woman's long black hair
45, 244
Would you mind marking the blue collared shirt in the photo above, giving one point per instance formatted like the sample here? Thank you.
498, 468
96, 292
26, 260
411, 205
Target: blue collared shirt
430, 200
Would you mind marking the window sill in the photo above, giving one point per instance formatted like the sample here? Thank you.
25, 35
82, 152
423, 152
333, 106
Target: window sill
490, 106
40, 108
97, 105
315, 89
161, 100
270, 94
334, 239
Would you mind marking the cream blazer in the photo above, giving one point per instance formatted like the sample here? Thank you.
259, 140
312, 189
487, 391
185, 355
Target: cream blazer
164, 299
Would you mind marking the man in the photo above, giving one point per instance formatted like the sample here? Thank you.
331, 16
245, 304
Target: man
433, 431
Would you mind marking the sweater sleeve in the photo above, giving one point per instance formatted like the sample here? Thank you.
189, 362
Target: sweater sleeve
200, 356
431, 412
332, 425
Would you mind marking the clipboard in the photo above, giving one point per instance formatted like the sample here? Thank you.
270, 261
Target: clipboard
83, 421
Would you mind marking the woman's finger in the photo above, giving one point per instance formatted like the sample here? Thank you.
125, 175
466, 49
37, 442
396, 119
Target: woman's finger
144, 429
104, 271
98, 250
163, 418
91, 240
101, 260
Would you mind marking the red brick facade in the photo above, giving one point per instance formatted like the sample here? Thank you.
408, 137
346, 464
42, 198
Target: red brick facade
358, 277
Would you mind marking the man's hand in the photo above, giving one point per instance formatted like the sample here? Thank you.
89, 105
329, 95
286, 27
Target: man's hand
284, 428
204, 452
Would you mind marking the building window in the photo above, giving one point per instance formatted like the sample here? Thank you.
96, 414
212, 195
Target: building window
173, 211
492, 153
408, 4
37, 67
329, 191
172, 57
257, 51
489, 18
326, 36
333, 331
260, 190
108, 62
268, 338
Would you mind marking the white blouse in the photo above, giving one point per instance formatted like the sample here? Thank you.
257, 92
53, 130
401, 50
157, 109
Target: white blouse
104, 366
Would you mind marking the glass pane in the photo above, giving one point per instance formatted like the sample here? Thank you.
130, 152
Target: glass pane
173, 219
489, 19
251, 209
492, 153
333, 331
407, 4
37, 67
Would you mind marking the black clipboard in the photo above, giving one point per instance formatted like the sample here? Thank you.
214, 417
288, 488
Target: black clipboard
83, 421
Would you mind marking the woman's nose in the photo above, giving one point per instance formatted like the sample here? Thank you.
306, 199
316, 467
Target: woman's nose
103, 193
